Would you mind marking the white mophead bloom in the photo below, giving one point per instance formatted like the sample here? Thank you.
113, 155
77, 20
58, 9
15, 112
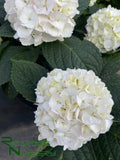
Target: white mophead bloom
103, 29
37, 21
74, 106
92, 2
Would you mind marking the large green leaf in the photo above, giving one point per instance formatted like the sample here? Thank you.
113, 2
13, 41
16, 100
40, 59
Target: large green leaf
5, 64
29, 54
83, 4
15, 52
73, 53
9, 90
115, 129
25, 76
111, 76
6, 30
3, 46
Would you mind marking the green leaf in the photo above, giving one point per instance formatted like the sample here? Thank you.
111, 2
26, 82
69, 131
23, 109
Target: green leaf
29, 54
9, 90
111, 76
5, 64
22, 53
3, 46
2, 11
25, 76
83, 4
115, 129
73, 53
94, 9
6, 30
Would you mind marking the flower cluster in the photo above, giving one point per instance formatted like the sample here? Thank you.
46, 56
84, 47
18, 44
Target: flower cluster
37, 21
74, 106
92, 2
103, 29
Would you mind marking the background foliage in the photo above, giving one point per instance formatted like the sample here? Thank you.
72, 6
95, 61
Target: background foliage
22, 67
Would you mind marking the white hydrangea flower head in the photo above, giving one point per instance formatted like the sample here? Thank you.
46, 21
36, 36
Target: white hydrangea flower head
74, 106
37, 21
103, 29
92, 2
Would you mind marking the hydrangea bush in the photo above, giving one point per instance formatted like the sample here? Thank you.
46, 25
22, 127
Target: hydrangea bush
52, 55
